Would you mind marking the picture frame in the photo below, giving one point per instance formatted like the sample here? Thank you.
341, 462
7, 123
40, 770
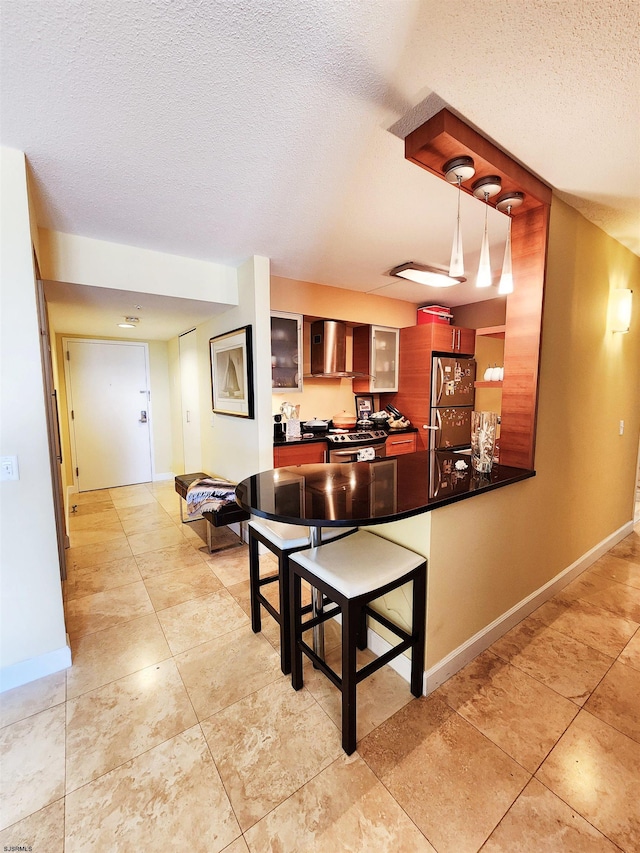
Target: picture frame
364, 406
231, 359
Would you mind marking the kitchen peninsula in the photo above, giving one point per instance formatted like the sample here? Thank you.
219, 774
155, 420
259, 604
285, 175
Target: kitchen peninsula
363, 493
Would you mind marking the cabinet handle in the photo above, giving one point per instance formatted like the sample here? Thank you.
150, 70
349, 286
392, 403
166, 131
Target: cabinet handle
458, 340
404, 441
453, 339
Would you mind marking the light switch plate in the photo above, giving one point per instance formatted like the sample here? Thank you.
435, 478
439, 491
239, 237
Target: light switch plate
9, 468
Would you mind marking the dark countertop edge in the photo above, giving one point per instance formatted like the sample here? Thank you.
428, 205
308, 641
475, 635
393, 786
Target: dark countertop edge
523, 474
322, 436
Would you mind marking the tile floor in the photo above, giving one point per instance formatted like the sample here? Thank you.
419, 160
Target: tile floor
175, 729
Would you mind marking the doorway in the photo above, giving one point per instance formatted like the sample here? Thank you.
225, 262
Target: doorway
109, 417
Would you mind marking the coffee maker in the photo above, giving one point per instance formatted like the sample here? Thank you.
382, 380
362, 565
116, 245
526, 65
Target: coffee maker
278, 428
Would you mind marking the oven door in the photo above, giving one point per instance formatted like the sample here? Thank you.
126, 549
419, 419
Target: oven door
353, 454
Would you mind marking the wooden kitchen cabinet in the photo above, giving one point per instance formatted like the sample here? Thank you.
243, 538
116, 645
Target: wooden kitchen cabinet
299, 454
286, 352
376, 352
455, 339
402, 443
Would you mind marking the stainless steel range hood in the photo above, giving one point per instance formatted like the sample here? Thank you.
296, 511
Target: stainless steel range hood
329, 350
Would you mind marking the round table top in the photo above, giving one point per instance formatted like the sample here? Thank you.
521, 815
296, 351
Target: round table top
355, 494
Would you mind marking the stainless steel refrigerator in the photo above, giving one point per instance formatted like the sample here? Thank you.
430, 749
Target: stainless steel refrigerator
452, 398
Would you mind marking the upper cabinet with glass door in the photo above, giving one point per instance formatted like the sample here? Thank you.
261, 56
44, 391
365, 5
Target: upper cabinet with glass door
376, 353
286, 352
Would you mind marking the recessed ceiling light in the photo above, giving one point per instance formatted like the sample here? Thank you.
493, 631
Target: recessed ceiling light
428, 275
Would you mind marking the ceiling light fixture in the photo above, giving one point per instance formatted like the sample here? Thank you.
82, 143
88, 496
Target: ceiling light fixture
456, 171
129, 323
428, 275
505, 204
485, 188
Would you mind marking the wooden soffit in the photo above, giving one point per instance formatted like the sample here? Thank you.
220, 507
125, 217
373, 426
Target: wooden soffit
444, 136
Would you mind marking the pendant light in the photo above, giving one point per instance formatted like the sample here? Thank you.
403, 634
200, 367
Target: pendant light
506, 203
486, 188
456, 171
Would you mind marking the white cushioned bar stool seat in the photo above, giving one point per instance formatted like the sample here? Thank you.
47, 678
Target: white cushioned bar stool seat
351, 573
282, 540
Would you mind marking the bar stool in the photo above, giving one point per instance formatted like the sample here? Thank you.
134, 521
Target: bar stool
352, 573
282, 540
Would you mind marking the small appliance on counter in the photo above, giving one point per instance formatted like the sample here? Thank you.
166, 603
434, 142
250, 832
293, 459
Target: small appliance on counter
278, 428
292, 414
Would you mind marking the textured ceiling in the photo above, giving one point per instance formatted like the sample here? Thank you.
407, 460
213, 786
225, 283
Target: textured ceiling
275, 127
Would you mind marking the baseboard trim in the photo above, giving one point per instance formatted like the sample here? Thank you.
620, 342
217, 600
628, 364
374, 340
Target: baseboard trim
464, 654
29, 670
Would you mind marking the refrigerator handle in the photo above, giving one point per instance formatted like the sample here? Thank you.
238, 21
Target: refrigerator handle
439, 382
435, 433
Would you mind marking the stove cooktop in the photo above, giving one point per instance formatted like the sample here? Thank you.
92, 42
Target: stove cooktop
361, 437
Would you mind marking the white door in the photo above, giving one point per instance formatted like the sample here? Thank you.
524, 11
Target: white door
190, 393
108, 398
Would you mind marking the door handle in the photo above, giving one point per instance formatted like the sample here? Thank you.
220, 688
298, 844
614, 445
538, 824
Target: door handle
143, 417
188, 416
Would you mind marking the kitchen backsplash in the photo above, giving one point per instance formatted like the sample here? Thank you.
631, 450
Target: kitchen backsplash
320, 398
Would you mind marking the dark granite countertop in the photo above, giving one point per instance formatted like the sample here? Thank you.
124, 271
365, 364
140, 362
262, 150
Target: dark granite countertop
362, 493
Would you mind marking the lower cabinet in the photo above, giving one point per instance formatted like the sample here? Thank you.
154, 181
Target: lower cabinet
405, 443
299, 454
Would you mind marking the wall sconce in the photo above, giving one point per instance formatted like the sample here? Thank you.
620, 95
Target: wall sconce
620, 301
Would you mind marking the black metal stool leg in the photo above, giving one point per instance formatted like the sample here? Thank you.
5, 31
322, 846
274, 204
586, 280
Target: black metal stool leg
285, 615
254, 583
350, 626
418, 629
295, 599
362, 630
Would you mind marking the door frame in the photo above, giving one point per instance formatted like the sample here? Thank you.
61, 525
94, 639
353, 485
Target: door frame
67, 379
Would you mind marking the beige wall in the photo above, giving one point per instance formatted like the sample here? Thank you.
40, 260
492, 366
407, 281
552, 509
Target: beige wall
489, 553
323, 398
98, 263
175, 402
32, 621
233, 447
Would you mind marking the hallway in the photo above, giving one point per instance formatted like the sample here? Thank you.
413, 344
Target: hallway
175, 727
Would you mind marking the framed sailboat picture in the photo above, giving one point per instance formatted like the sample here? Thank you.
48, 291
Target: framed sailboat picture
232, 373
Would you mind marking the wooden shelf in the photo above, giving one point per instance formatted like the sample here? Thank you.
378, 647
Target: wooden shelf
483, 384
492, 332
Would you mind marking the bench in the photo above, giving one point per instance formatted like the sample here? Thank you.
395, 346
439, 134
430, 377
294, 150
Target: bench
228, 514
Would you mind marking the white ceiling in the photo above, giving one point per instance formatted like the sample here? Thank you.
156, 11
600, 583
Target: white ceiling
274, 127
